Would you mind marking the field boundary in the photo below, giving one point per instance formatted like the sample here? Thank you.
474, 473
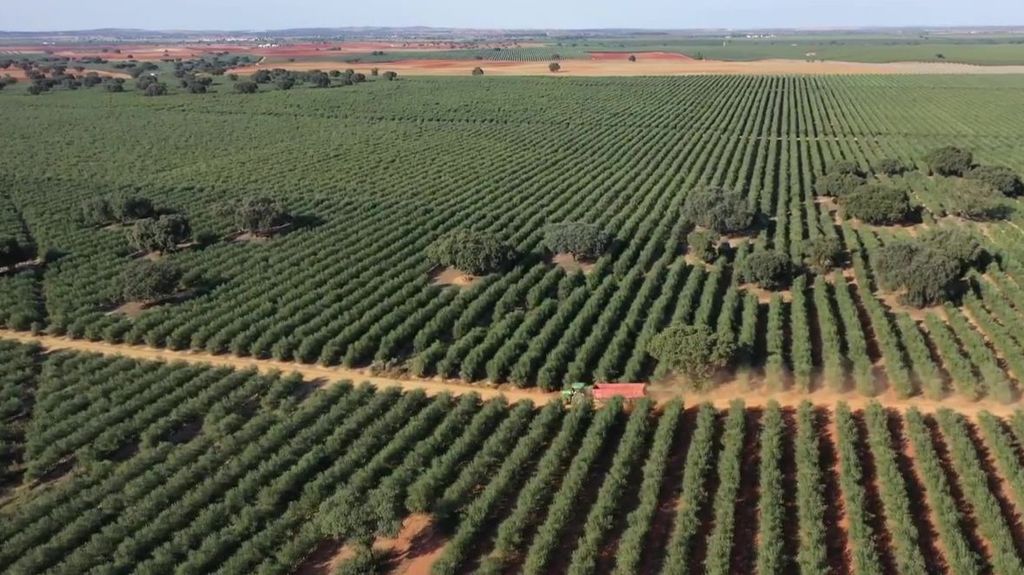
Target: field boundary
720, 397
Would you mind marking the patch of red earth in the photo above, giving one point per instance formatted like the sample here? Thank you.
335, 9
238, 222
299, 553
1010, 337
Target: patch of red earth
450, 276
571, 265
639, 55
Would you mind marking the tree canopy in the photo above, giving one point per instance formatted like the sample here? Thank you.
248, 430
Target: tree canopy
878, 204
121, 208
148, 281
950, 161
161, 234
259, 215
838, 185
929, 269
701, 245
470, 251
247, 87
584, 241
692, 350
823, 254
890, 167
1002, 179
722, 210
767, 269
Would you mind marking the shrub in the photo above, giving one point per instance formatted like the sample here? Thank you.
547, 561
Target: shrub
999, 178
838, 185
472, 252
554, 66
767, 268
148, 281
823, 254
582, 240
390, 76
718, 209
878, 205
693, 350
478, 71
701, 245
950, 161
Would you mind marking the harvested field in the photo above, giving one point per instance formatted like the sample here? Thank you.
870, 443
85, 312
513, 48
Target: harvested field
664, 66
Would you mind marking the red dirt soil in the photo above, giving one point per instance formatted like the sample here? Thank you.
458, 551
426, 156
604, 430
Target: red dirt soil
639, 56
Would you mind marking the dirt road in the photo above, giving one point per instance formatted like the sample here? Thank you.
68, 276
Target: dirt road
720, 397
309, 372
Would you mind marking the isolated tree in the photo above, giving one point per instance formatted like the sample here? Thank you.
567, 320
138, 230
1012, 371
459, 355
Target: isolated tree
584, 241
285, 82
950, 161
478, 71
692, 350
257, 215
632, 58
724, 211
246, 87
767, 269
472, 252
162, 234
890, 167
878, 205
390, 76
823, 254
114, 85
702, 245
1002, 179
554, 66
374, 72
147, 281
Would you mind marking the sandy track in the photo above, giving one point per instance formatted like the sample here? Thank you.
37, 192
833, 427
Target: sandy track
310, 372
720, 397
644, 67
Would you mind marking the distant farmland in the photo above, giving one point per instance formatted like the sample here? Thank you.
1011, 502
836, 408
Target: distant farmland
378, 171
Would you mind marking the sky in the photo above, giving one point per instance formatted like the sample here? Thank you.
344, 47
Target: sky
40, 15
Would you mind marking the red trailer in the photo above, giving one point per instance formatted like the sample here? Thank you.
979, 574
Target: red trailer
606, 391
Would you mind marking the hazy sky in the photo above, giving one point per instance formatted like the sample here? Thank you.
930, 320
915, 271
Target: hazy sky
270, 14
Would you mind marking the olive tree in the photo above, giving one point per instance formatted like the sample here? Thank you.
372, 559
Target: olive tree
470, 251
247, 87
692, 350
838, 185
584, 241
554, 66
718, 209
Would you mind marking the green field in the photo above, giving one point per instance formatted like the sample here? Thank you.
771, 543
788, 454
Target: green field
379, 170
